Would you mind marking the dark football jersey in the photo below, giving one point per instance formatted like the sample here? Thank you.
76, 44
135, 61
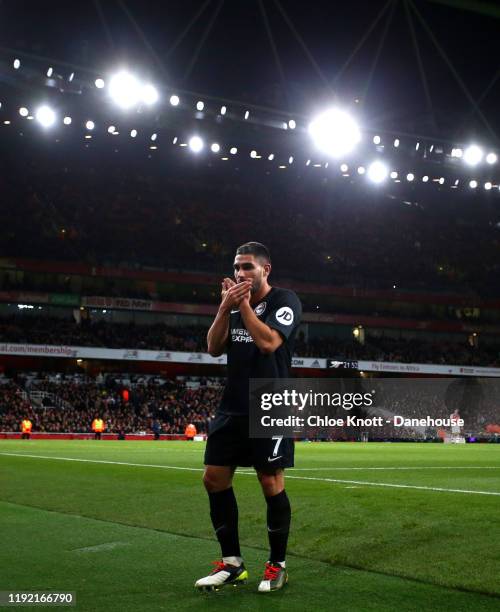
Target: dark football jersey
280, 309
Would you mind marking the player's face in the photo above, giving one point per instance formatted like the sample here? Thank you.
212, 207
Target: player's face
248, 267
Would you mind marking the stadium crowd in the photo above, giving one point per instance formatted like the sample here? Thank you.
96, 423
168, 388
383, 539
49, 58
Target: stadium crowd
143, 215
45, 330
70, 405
59, 403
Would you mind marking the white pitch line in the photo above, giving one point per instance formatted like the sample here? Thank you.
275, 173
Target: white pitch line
433, 467
151, 465
395, 486
100, 547
288, 476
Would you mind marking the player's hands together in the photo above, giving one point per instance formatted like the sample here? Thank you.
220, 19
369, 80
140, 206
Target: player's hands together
233, 293
227, 283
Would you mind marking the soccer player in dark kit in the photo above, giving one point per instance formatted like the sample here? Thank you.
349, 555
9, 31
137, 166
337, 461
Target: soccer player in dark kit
256, 325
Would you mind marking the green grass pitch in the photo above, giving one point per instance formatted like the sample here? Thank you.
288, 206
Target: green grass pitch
125, 525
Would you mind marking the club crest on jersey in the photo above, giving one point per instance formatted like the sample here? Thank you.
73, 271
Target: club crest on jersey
259, 309
284, 315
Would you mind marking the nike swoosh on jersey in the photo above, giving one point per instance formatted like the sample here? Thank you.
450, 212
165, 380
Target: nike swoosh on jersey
235, 311
274, 458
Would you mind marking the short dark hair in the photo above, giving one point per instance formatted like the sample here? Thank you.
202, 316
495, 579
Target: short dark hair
256, 249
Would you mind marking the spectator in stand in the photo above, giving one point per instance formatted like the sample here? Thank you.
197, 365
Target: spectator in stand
156, 427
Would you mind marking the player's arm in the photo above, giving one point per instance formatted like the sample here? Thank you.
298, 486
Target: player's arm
218, 333
231, 295
266, 338
278, 326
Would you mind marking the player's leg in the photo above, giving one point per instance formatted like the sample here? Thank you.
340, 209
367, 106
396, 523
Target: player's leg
223, 510
271, 456
224, 514
278, 527
221, 458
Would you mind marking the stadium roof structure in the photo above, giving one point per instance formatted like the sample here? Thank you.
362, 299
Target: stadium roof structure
246, 79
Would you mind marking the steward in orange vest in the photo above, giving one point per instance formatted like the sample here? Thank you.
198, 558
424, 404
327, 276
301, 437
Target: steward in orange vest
98, 427
190, 431
26, 426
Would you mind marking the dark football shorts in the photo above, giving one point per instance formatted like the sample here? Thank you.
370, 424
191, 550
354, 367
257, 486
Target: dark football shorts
228, 443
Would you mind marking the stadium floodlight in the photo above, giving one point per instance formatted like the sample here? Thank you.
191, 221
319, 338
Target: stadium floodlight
473, 155
361, 170
133, 133
377, 172
17, 64
23, 111
253, 154
71, 77
99, 83
125, 90
291, 124
90, 125
45, 116
223, 110
195, 144
154, 136
247, 114
396, 143
149, 94
290, 159
335, 132
376, 139
174, 100
393, 175
111, 129
50, 71
491, 158
410, 176
425, 179
441, 180
233, 150
344, 167
200, 105
270, 157
488, 186
457, 152
215, 147
67, 120
473, 184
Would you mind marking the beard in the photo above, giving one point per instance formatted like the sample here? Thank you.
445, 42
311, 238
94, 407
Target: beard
256, 285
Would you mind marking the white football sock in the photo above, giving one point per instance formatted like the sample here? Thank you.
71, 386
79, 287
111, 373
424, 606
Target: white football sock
237, 561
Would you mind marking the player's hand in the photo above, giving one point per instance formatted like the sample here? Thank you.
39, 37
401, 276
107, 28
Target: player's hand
235, 294
247, 295
227, 283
